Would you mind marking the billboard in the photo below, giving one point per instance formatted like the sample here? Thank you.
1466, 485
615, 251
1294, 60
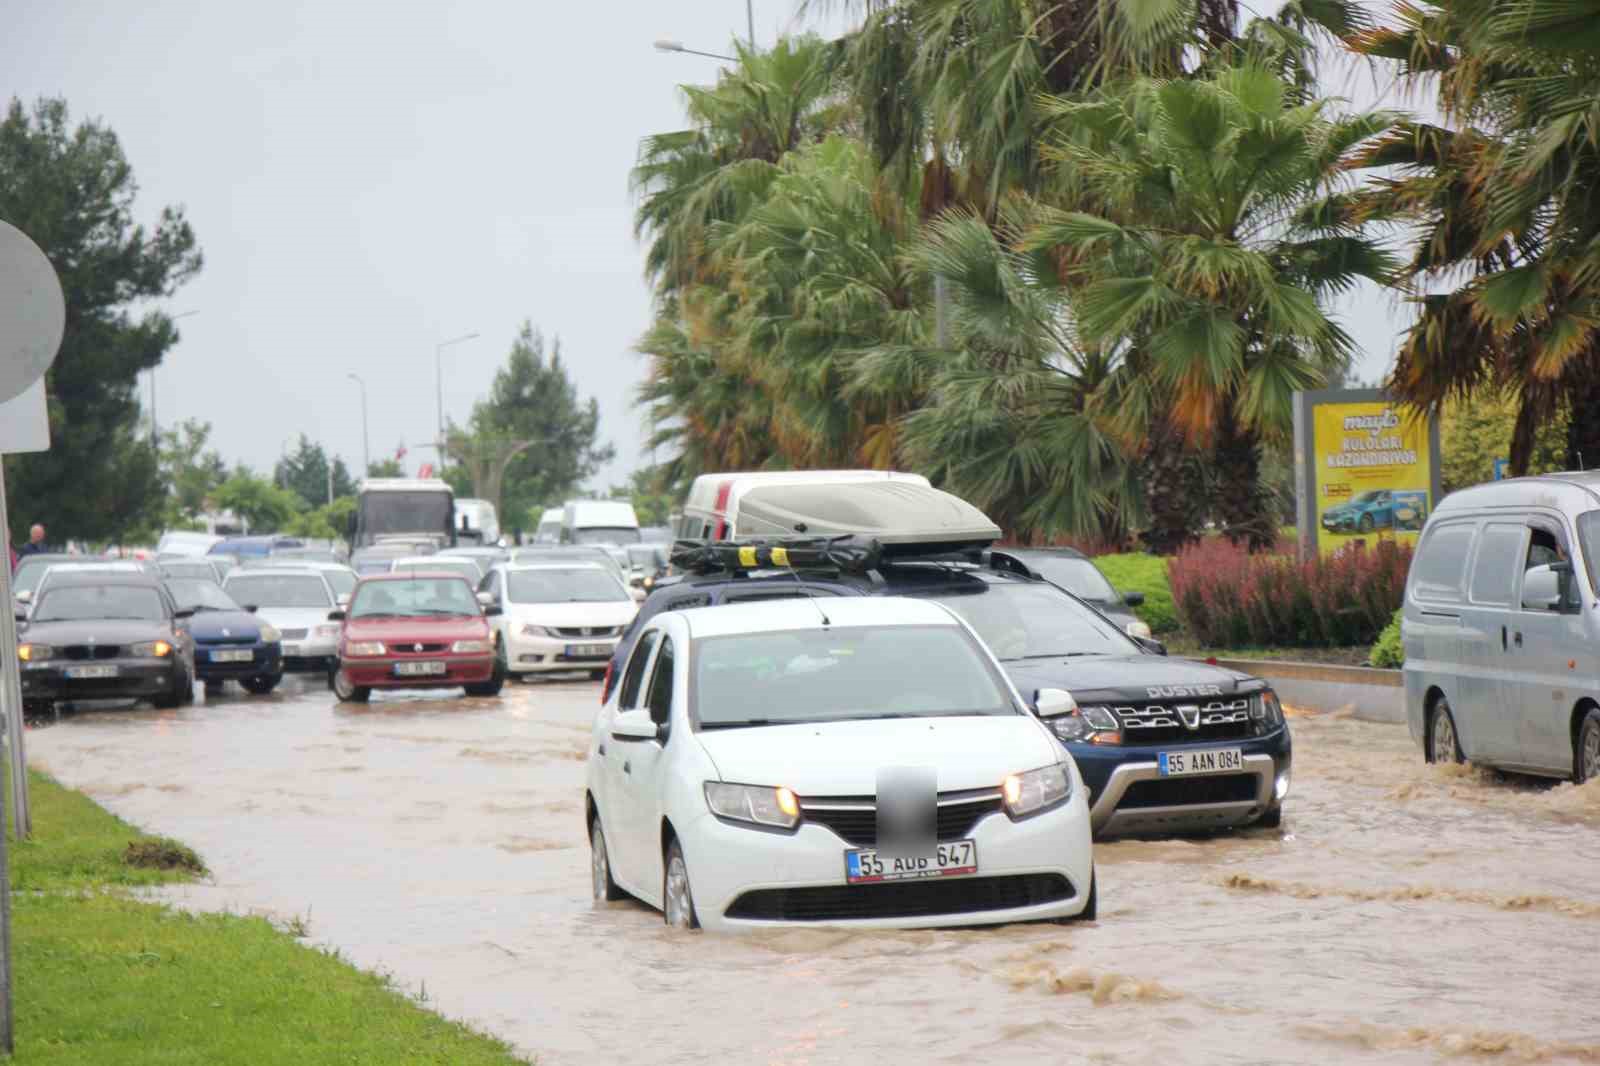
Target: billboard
1366, 469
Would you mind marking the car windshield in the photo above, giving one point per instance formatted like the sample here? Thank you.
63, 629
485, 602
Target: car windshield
316, 555
419, 511
413, 597
646, 555
1077, 576
197, 571
833, 674
260, 589
465, 567
1031, 621
585, 585
605, 535
196, 595
1368, 497
29, 571
1589, 536
343, 581
90, 603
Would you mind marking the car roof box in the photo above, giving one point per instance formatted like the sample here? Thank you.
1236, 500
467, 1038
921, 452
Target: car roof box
905, 517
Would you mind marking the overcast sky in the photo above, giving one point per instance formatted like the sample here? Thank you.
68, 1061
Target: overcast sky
367, 180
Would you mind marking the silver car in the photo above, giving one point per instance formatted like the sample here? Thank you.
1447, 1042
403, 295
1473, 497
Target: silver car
296, 600
1501, 627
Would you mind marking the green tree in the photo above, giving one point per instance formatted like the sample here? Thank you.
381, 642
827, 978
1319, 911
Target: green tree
191, 470
647, 490
328, 522
305, 472
386, 468
1476, 431
72, 191
268, 508
532, 438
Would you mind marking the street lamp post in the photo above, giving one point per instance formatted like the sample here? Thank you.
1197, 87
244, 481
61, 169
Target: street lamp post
750, 24
366, 451
438, 375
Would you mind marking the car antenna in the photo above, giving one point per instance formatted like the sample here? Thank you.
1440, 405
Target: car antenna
803, 587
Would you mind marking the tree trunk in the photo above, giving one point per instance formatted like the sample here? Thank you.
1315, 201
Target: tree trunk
1243, 509
1175, 502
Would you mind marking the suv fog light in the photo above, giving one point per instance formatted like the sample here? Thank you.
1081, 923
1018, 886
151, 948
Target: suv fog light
1280, 788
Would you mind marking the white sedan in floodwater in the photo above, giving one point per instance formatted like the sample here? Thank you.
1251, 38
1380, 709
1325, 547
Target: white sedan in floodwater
849, 761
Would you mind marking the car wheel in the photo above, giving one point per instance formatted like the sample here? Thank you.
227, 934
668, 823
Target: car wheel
214, 689
347, 692
1272, 819
37, 708
497, 680
677, 900
1366, 523
1586, 752
1443, 745
605, 889
187, 695
260, 686
174, 696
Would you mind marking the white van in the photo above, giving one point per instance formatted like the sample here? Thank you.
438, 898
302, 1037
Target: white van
549, 531
711, 511
1501, 627
477, 522
599, 522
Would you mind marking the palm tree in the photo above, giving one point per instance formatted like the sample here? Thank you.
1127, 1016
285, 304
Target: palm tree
1211, 235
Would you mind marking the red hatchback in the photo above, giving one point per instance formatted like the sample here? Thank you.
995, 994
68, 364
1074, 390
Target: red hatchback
416, 630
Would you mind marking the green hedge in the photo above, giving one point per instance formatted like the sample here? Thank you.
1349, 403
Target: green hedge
1388, 651
1138, 572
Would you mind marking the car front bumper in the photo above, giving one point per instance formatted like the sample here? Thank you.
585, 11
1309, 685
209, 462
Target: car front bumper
379, 672
135, 679
1191, 803
266, 660
528, 655
728, 863
312, 655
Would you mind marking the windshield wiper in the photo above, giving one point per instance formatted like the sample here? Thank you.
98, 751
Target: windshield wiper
745, 722
1052, 655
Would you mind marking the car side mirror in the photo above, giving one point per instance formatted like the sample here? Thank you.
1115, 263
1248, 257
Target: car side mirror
1151, 645
251, 608
336, 616
635, 725
1541, 588
183, 612
486, 599
492, 611
24, 595
1133, 599
1053, 702
20, 616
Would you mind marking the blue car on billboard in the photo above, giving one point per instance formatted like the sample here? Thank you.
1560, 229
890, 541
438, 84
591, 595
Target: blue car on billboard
1361, 514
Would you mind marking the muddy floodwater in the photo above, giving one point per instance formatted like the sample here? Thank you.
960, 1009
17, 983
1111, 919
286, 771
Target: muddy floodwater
1402, 914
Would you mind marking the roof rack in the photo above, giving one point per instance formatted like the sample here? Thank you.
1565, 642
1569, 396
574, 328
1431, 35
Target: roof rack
846, 554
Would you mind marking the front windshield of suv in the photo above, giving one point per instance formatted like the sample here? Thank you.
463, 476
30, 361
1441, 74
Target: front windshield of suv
1589, 537
836, 674
1077, 576
94, 603
414, 597
586, 585
279, 590
605, 535
197, 595
1031, 621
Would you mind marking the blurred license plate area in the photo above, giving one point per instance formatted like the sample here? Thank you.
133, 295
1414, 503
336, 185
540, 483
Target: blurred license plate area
868, 866
422, 669
588, 651
89, 673
232, 656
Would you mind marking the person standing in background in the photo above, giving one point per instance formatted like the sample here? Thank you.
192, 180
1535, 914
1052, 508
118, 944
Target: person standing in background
35, 545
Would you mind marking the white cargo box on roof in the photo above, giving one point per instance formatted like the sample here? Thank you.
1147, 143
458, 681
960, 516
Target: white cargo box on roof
711, 511
904, 516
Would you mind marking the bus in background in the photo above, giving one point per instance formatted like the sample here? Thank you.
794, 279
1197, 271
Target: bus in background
711, 511
403, 509
477, 523
599, 522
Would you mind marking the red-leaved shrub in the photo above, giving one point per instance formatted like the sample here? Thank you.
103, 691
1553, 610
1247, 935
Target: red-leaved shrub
1227, 597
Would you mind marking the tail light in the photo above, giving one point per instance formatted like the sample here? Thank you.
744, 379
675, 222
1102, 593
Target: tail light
605, 686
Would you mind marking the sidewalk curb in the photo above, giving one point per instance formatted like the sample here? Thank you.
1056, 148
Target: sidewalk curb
1370, 694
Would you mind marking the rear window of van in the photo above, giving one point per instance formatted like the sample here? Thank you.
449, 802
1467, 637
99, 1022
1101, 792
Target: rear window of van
1440, 565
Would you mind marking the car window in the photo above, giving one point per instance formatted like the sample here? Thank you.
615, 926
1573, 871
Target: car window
1077, 576
265, 589
829, 674
585, 585
1031, 620
1441, 563
1546, 547
660, 699
633, 679
1589, 537
194, 595
343, 582
86, 603
1494, 567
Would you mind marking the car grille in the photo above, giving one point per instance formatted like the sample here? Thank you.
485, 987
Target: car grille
294, 634
1155, 723
588, 631
1183, 791
855, 818
901, 899
212, 642
91, 651
402, 648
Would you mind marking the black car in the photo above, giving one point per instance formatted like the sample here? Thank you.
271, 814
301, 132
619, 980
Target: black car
230, 643
1074, 571
105, 636
1163, 744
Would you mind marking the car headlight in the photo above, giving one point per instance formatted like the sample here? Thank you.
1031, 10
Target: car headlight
270, 634
470, 647
1091, 725
1036, 790
536, 631
329, 630
363, 647
35, 653
1266, 712
151, 649
756, 804
1139, 629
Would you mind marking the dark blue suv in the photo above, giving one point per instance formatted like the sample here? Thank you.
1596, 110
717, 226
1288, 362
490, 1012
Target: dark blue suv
1165, 745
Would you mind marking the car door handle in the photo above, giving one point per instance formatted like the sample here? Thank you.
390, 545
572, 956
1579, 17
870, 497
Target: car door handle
602, 748
1517, 638
627, 768
1503, 639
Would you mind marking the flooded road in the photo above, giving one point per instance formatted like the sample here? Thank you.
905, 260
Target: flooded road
1404, 913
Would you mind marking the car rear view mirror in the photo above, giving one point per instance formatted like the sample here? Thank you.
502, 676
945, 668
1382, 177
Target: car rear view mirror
635, 725
492, 611
1133, 599
1541, 588
336, 616
1052, 702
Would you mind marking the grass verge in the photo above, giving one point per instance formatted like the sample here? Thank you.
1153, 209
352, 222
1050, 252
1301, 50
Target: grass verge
1138, 572
104, 979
